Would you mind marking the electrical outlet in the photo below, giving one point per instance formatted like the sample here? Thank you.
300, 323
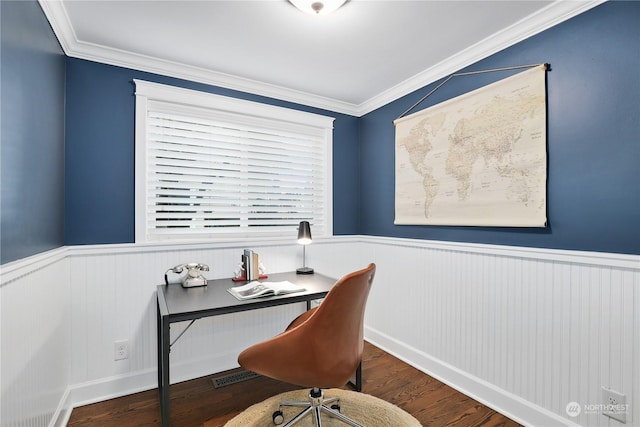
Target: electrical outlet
121, 350
615, 404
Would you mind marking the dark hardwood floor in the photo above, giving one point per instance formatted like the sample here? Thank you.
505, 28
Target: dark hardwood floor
196, 402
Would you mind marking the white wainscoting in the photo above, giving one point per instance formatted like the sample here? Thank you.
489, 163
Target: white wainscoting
35, 340
63, 310
525, 331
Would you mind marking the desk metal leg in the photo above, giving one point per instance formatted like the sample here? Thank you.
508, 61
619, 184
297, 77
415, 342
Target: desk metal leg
358, 384
163, 368
359, 377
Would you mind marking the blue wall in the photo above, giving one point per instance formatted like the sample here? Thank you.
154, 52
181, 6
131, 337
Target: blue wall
593, 138
100, 153
32, 151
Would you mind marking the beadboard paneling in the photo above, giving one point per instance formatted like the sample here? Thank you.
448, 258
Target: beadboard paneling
113, 296
523, 330
539, 331
34, 341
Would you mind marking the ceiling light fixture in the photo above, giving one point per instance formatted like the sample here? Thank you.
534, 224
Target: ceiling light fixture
316, 7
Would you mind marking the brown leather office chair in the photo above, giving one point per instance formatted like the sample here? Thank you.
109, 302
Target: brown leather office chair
321, 348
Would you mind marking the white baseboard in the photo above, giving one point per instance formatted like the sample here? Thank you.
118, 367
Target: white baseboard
103, 389
508, 404
122, 385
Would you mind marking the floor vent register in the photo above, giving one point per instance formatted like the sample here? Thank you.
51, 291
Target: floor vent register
233, 378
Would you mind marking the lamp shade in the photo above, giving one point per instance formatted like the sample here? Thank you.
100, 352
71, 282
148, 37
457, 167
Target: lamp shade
304, 233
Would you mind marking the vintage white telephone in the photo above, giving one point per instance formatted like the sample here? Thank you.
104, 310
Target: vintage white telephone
193, 277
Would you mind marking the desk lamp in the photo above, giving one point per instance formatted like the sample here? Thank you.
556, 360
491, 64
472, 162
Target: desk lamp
304, 238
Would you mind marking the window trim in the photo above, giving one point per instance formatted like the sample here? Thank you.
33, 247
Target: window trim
148, 91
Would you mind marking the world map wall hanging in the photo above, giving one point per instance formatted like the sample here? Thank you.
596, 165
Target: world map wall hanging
478, 159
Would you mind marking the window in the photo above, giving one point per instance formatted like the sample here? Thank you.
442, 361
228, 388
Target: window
210, 166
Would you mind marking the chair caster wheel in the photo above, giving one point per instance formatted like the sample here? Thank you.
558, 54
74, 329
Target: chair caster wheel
335, 407
277, 418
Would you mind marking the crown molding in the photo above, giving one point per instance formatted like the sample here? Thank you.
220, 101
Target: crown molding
59, 20
557, 12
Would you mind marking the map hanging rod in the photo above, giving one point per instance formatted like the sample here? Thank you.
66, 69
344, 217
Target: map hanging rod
468, 73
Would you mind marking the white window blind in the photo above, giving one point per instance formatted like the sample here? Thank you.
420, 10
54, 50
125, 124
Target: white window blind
214, 166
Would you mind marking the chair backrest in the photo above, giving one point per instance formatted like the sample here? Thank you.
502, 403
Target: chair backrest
325, 348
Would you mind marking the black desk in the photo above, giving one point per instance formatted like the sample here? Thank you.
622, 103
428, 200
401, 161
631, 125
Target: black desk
177, 304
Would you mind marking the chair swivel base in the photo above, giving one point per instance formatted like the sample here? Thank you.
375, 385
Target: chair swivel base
314, 406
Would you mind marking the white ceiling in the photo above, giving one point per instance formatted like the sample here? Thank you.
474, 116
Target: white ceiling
362, 56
